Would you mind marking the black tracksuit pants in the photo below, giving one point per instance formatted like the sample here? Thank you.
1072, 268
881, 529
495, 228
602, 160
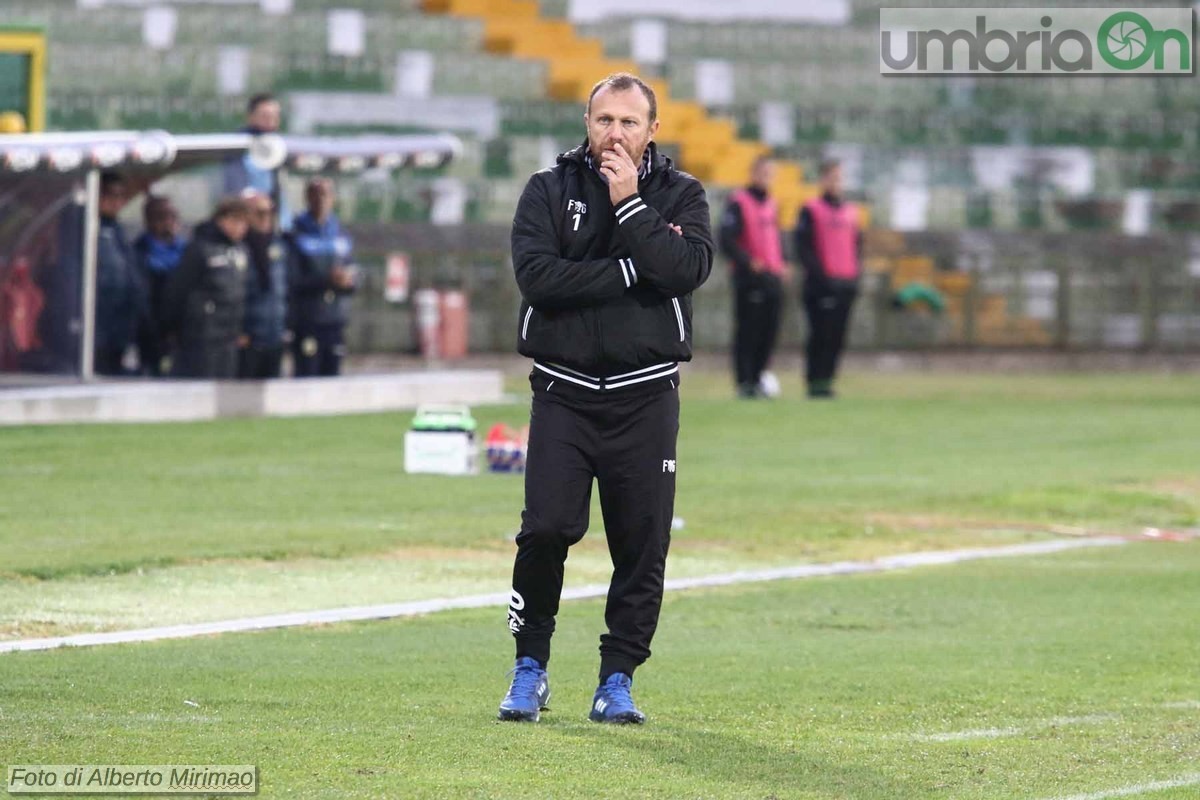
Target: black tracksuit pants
625, 441
260, 362
828, 311
215, 360
318, 352
758, 300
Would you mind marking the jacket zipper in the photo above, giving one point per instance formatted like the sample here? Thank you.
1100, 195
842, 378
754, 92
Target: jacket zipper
678, 317
525, 325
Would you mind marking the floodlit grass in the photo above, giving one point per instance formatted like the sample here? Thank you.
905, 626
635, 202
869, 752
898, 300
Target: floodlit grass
133, 525
1019, 679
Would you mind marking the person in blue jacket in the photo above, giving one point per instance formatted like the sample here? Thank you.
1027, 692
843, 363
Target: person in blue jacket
261, 345
159, 250
321, 281
263, 116
120, 295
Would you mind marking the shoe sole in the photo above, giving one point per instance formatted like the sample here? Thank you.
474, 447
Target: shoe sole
510, 715
626, 718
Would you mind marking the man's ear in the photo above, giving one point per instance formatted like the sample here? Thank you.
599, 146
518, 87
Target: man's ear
654, 127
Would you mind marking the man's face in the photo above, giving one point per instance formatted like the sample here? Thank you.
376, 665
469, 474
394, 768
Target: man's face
264, 117
620, 116
163, 222
112, 199
319, 197
262, 215
234, 226
832, 181
763, 175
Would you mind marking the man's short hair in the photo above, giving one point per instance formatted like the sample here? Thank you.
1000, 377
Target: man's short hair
257, 100
623, 82
155, 204
110, 180
231, 207
827, 166
317, 183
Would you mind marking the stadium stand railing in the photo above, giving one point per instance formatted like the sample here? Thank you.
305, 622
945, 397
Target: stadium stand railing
1137, 134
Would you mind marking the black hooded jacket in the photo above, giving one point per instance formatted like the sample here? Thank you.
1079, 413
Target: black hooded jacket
606, 290
205, 296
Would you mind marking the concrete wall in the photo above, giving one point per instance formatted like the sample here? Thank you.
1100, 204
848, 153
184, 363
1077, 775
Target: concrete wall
179, 401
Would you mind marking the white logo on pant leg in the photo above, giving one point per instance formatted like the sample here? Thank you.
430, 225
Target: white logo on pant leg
668, 465
517, 603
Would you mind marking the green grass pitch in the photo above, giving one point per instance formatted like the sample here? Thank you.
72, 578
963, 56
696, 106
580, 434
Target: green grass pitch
1064, 676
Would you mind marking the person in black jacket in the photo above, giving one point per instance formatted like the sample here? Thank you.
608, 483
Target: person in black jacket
607, 247
205, 296
261, 345
120, 293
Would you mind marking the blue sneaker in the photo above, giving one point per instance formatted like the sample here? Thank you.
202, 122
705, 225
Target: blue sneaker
613, 703
529, 693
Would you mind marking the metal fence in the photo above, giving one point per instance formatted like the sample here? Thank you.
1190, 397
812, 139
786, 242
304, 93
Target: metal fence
1037, 291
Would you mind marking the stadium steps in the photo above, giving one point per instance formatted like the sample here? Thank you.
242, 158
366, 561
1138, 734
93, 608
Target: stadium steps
709, 147
808, 66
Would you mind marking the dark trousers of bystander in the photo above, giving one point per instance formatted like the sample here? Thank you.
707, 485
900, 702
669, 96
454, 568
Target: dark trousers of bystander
259, 362
757, 302
828, 312
215, 360
318, 352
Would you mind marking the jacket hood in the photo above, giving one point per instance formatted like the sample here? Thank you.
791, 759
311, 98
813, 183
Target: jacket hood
210, 231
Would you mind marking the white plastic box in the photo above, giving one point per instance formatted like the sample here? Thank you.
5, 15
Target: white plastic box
442, 442
439, 452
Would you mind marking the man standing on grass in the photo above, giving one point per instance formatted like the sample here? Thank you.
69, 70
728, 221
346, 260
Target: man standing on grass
607, 246
829, 245
751, 240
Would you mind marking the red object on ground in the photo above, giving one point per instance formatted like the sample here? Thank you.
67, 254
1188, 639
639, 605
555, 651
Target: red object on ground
506, 448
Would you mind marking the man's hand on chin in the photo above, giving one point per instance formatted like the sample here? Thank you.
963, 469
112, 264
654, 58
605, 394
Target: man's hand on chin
621, 173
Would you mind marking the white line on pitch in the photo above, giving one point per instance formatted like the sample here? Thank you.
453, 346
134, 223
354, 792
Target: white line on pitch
1139, 788
420, 607
1000, 733
1042, 724
1183, 704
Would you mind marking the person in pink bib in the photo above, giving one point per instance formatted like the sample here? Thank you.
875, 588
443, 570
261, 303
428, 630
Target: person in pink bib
829, 246
751, 240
